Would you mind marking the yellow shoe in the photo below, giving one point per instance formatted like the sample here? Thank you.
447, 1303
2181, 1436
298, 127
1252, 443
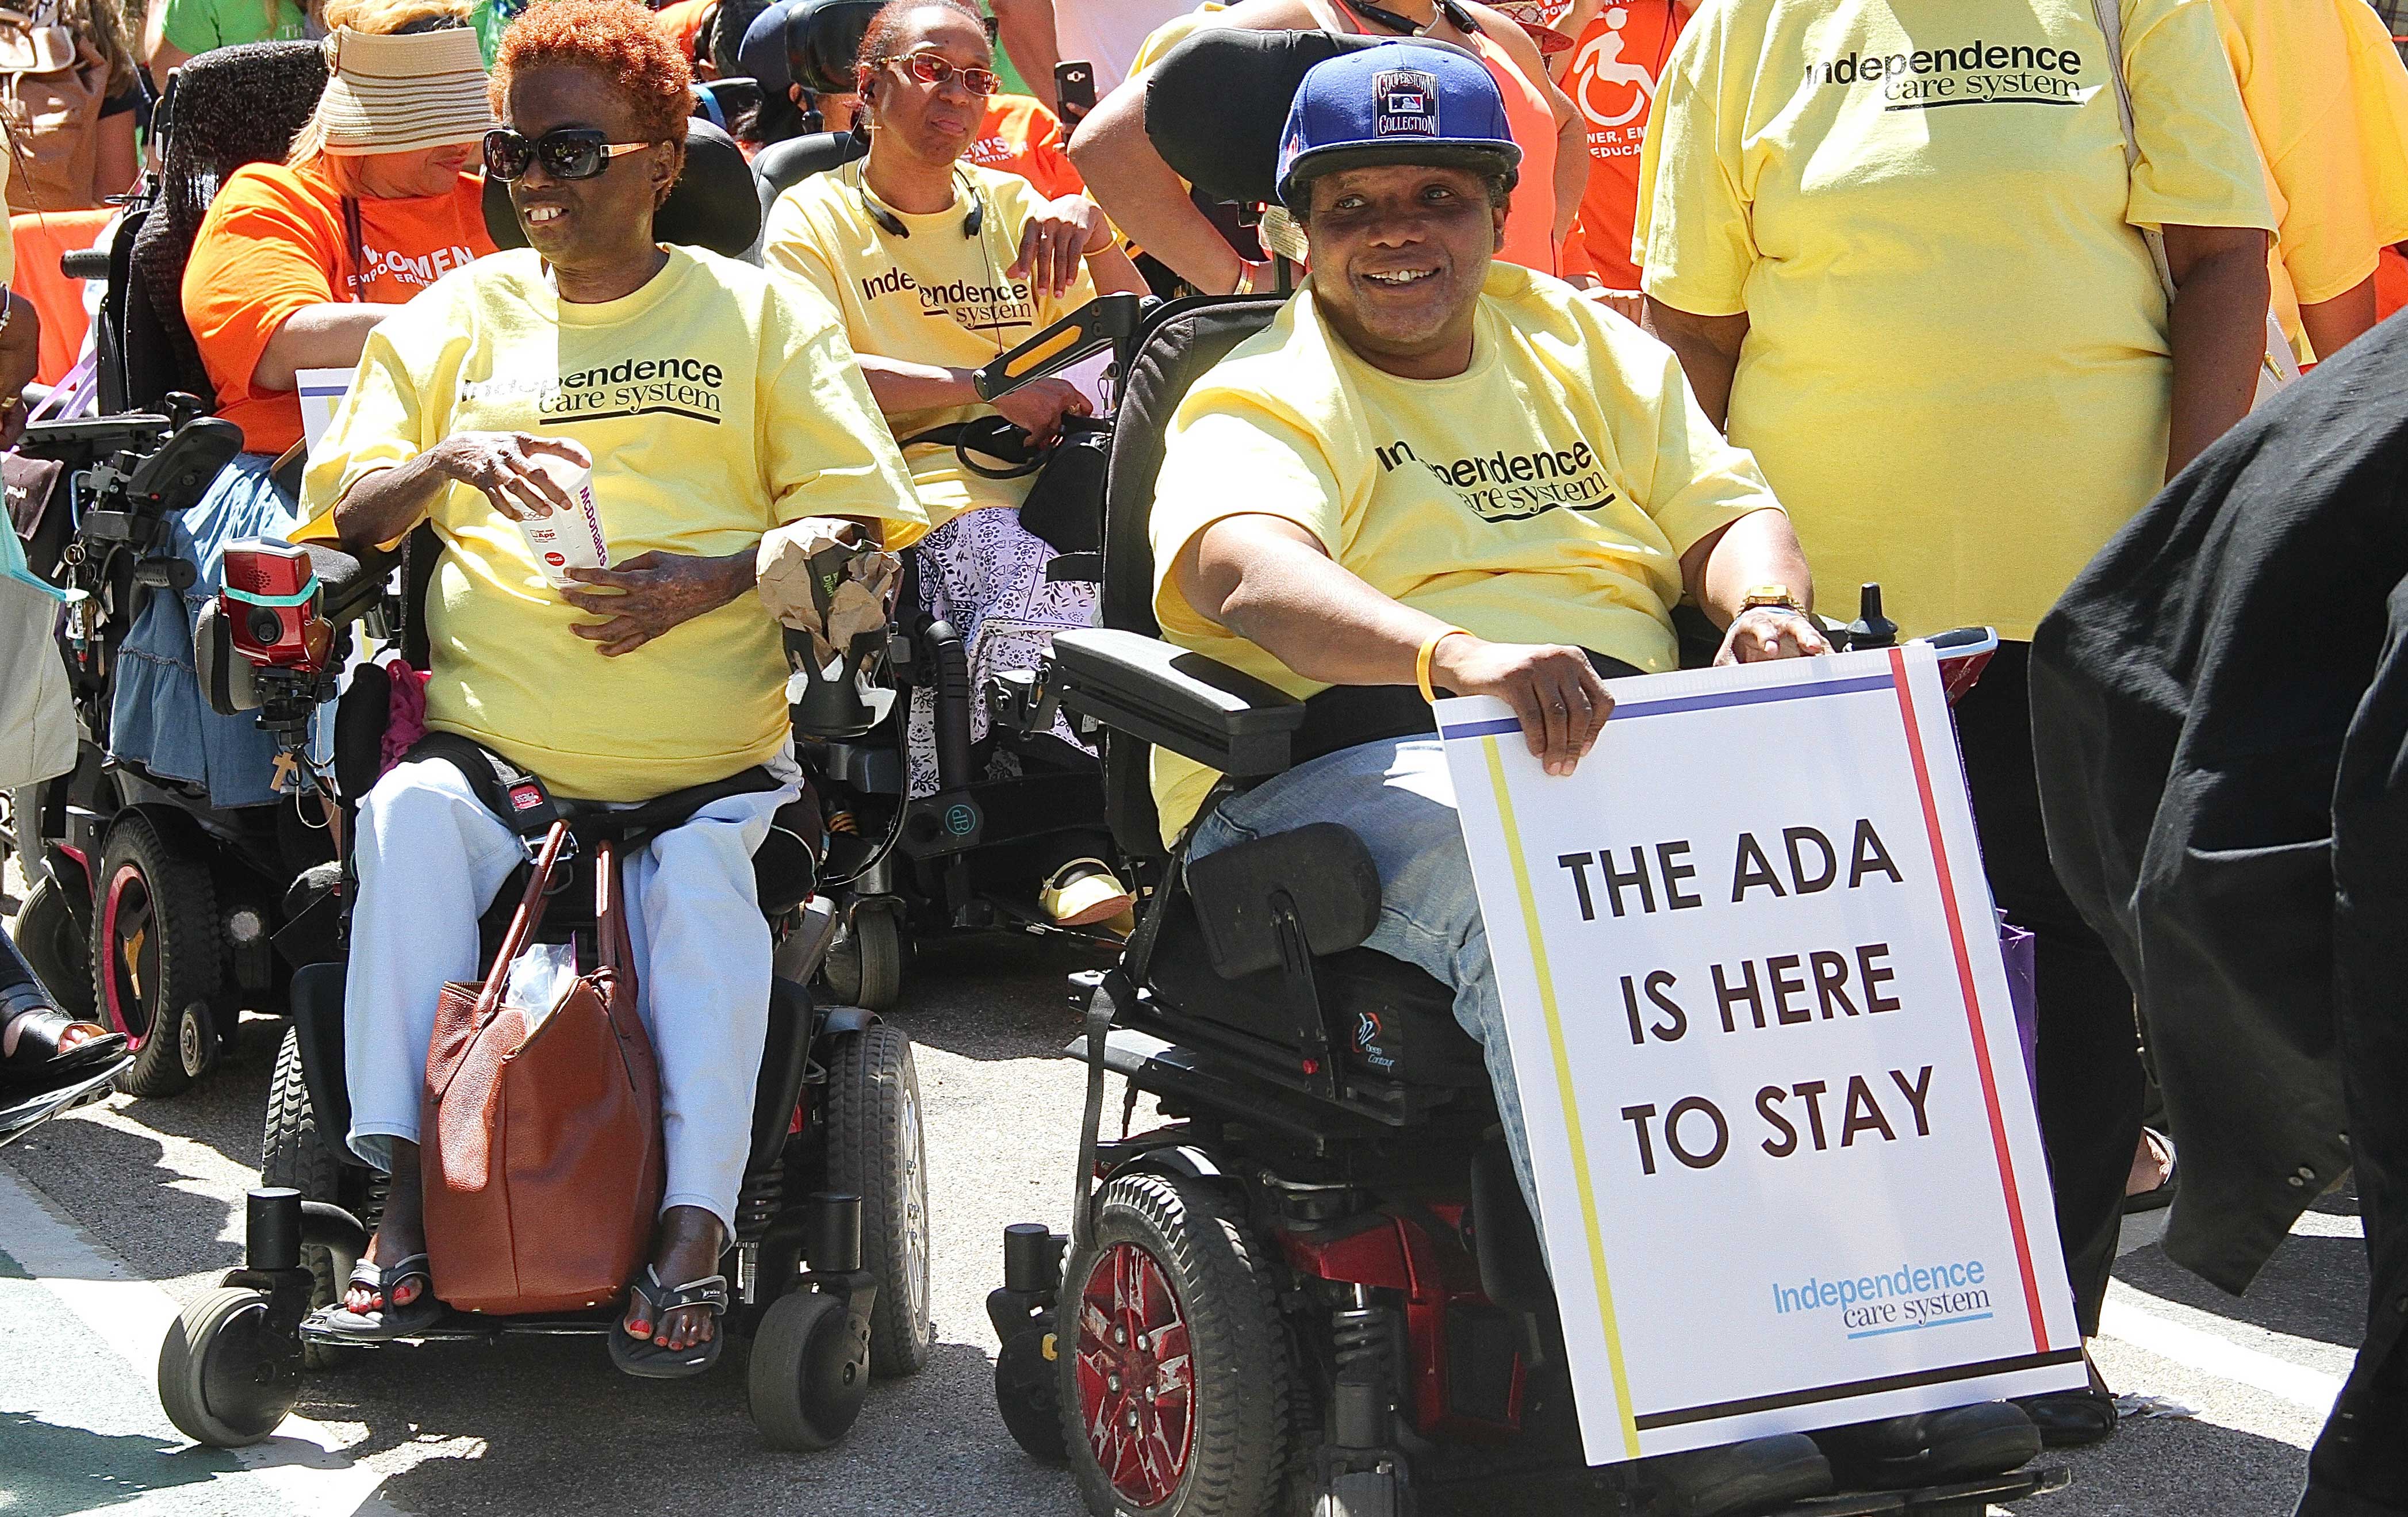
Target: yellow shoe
1083, 892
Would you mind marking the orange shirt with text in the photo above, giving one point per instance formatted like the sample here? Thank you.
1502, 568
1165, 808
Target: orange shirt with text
1613, 84
1021, 136
274, 241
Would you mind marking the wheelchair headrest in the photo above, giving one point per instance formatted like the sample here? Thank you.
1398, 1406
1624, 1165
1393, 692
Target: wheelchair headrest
713, 204
1215, 103
723, 102
785, 164
823, 40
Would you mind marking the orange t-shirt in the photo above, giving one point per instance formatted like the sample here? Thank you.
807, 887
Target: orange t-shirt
274, 241
2390, 285
683, 24
1613, 84
1021, 136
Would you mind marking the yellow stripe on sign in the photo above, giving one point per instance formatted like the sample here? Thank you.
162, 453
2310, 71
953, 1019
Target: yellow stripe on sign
1571, 1102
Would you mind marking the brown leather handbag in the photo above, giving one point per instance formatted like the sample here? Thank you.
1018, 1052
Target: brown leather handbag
541, 1153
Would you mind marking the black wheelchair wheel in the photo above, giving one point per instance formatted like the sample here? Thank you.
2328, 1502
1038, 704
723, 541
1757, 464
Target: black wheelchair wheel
293, 1153
225, 1378
46, 934
1174, 1375
157, 964
864, 964
806, 1378
876, 1151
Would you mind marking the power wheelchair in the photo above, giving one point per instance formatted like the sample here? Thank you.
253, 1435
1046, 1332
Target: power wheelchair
151, 908
828, 1264
1315, 1288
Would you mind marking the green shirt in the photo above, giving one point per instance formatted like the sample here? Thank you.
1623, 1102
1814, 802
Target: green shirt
197, 27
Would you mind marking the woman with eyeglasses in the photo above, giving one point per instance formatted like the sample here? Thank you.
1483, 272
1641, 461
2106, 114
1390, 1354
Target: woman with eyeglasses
936, 266
715, 403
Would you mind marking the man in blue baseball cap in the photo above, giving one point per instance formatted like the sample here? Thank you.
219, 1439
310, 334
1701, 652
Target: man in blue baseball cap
1438, 471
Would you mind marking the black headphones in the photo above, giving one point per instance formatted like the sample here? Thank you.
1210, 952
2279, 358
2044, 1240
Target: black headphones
893, 224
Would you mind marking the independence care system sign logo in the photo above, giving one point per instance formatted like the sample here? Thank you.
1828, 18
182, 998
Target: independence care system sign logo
1788, 1168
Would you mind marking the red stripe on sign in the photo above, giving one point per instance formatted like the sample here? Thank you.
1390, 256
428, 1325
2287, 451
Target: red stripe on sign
1965, 982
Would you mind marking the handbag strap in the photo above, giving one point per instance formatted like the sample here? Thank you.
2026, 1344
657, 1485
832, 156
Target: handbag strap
525, 922
2110, 17
610, 913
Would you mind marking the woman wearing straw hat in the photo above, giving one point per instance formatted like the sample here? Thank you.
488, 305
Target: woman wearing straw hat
292, 267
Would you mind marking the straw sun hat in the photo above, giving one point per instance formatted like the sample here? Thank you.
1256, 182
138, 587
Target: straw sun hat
402, 92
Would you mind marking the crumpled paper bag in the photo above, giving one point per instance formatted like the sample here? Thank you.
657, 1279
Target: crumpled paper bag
816, 582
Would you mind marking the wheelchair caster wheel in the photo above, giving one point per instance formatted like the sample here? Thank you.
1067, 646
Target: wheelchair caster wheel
1024, 1393
809, 1371
864, 964
226, 1378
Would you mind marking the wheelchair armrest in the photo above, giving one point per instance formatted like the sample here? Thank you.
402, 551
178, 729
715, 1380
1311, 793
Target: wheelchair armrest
1196, 706
1105, 321
349, 583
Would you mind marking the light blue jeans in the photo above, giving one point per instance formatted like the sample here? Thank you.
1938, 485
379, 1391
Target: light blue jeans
157, 717
1398, 796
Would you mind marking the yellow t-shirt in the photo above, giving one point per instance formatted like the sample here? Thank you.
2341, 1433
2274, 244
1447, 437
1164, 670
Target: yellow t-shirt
1545, 494
2327, 102
1957, 372
717, 403
935, 297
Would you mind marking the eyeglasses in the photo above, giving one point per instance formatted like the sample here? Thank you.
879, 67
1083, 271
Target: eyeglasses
567, 152
936, 68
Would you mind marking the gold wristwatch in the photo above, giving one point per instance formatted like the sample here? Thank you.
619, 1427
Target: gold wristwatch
1774, 597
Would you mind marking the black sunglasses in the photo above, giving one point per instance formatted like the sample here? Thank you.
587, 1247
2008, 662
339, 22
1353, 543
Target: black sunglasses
567, 152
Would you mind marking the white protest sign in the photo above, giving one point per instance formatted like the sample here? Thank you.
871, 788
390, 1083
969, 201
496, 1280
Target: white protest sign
1785, 1147
322, 390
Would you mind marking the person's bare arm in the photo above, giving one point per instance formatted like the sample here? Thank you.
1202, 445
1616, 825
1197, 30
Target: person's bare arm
1270, 581
1718, 571
2334, 325
1025, 29
2217, 328
1144, 198
380, 508
1708, 348
165, 60
117, 161
1571, 24
1115, 274
316, 337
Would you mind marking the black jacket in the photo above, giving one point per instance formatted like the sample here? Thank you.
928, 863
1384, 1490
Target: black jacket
2220, 717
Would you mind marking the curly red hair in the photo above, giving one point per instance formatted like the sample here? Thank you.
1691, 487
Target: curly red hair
615, 38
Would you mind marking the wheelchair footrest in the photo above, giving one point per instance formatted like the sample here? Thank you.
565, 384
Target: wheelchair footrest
470, 1327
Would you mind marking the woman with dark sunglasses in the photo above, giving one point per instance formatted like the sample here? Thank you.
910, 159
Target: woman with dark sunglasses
937, 265
713, 404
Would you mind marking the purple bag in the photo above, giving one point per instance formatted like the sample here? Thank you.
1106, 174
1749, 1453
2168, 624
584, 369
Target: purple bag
2017, 946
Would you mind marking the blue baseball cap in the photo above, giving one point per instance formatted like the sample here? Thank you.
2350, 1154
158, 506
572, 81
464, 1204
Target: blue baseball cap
1418, 102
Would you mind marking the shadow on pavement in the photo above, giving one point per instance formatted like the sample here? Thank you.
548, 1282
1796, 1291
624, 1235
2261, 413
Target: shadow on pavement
54, 1471
2216, 1470
92, 1167
2314, 1288
992, 996
546, 1425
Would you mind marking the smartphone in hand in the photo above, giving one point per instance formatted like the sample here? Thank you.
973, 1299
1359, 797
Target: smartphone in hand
1074, 86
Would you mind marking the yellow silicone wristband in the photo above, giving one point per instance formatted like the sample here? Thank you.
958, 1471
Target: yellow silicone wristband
1422, 660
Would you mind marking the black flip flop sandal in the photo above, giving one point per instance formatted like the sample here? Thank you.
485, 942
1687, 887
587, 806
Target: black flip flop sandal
647, 1360
39, 1060
381, 1324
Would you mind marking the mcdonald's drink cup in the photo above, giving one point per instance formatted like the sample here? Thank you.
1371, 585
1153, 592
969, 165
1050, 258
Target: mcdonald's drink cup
570, 539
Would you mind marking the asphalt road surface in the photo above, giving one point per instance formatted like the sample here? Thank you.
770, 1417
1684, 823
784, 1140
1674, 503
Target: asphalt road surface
112, 1218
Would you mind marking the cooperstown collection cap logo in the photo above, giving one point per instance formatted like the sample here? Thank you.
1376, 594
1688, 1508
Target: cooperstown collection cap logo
1406, 102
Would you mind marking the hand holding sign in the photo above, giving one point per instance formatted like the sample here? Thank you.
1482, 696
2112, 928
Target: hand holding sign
1757, 1015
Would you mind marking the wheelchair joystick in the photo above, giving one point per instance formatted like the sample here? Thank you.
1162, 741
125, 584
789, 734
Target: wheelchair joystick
1871, 629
